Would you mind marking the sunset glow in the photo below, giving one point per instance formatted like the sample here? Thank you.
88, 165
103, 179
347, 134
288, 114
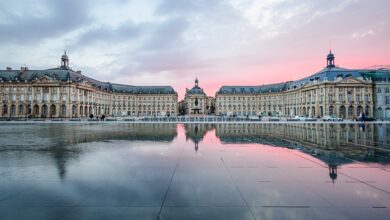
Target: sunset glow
235, 42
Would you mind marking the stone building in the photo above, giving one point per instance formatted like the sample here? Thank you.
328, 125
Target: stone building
210, 106
195, 100
381, 78
63, 92
331, 91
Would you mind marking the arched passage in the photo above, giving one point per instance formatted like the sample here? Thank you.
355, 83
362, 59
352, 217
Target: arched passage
351, 112
52, 110
359, 110
36, 111
44, 111
342, 112
5, 109
63, 110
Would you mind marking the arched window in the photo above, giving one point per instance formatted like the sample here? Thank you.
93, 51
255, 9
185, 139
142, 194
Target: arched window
63, 110
350, 111
13, 110
342, 111
331, 111
21, 109
5, 109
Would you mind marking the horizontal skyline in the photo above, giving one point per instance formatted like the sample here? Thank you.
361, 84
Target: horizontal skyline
235, 42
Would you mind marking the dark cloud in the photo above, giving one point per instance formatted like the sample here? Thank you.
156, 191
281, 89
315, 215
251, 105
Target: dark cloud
23, 25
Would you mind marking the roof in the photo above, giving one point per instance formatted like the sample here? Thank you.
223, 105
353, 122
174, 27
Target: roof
195, 90
327, 74
65, 74
252, 89
378, 75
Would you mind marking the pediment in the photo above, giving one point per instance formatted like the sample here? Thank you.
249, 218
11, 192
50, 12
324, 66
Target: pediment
85, 83
306, 84
352, 80
43, 79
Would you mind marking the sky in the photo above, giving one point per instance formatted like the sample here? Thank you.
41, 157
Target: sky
170, 42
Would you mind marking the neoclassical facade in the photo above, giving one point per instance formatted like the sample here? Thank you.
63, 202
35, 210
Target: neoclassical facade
381, 78
331, 91
195, 100
63, 92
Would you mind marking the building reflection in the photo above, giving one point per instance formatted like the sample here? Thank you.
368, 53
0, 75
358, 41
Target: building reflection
333, 172
196, 132
59, 140
334, 144
323, 136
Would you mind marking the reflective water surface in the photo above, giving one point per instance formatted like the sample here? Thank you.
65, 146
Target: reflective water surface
194, 171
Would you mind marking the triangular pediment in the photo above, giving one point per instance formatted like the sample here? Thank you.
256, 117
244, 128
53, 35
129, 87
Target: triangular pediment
86, 83
306, 84
351, 80
43, 79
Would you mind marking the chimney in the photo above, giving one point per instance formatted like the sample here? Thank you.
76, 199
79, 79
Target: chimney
79, 72
9, 68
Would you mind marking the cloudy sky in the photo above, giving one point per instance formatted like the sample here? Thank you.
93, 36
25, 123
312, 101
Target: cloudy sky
222, 42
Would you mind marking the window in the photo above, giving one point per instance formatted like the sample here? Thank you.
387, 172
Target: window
21, 109
349, 97
341, 98
387, 100
358, 98
330, 98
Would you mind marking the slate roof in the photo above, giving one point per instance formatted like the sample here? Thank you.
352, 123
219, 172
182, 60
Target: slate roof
195, 90
65, 74
252, 89
329, 74
378, 75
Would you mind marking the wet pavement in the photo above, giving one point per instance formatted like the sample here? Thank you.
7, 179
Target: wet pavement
194, 171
